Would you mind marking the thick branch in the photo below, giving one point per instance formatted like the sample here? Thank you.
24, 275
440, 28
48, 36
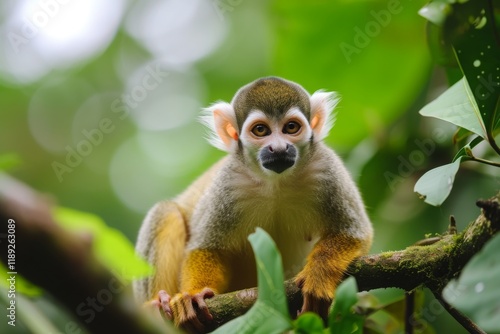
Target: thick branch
64, 265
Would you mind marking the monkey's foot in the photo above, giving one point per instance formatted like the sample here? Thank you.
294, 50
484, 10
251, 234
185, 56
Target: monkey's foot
317, 305
184, 308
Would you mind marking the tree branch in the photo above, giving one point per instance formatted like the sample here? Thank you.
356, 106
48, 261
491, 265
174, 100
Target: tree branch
64, 265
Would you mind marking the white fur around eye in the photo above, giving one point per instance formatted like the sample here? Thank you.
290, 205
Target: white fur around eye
297, 114
254, 117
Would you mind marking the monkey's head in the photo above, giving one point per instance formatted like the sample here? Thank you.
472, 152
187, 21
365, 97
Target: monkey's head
271, 123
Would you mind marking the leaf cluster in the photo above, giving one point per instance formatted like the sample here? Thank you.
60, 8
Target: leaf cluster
464, 37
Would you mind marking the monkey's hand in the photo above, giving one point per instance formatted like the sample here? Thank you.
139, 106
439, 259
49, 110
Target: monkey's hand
313, 302
162, 303
190, 311
325, 267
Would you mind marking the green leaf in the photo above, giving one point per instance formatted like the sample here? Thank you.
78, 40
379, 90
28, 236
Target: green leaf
308, 323
435, 185
457, 106
463, 152
342, 318
269, 314
472, 31
476, 293
109, 245
384, 323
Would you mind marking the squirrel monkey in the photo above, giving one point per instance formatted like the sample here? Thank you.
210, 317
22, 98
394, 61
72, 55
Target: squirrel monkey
278, 175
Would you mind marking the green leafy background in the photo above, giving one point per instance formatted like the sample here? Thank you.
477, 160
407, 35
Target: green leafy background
385, 143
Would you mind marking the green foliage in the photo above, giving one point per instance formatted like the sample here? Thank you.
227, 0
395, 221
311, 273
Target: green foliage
334, 45
435, 185
269, 314
476, 292
382, 77
309, 323
342, 318
109, 245
473, 103
350, 310
457, 107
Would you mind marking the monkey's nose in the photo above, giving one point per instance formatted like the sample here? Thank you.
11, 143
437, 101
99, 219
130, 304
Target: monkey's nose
287, 148
278, 160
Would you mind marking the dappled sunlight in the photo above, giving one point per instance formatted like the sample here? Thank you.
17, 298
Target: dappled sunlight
143, 166
52, 109
161, 98
177, 32
150, 98
41, 36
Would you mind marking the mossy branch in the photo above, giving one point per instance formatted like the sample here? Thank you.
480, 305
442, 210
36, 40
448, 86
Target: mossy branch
64, 265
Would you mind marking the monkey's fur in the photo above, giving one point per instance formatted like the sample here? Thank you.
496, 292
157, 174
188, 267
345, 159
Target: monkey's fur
312, 209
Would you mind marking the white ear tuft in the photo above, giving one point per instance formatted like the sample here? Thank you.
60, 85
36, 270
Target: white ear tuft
221, 122
322, 115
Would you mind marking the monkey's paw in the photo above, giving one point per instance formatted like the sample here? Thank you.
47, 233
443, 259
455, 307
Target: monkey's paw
190, 311
317, 305
162, 303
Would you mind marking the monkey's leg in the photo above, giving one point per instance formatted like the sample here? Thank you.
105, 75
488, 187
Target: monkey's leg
162, 241
204, 273
324, 270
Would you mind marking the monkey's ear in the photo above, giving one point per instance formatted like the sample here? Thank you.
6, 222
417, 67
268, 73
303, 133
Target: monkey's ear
322, 115
221, 121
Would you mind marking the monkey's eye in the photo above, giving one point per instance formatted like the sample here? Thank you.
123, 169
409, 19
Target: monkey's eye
261, 130
291, 127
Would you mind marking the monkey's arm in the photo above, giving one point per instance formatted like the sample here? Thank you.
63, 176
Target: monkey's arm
324, 269
204, 273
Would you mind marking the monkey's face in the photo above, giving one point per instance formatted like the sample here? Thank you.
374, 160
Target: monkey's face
271, 124
275, 145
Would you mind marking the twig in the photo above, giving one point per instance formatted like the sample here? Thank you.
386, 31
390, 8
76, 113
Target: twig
410, 308
463, 320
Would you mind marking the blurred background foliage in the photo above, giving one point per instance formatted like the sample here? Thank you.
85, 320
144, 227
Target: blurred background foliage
99, 101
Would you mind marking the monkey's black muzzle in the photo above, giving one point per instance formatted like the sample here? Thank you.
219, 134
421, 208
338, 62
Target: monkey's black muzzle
278, 160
